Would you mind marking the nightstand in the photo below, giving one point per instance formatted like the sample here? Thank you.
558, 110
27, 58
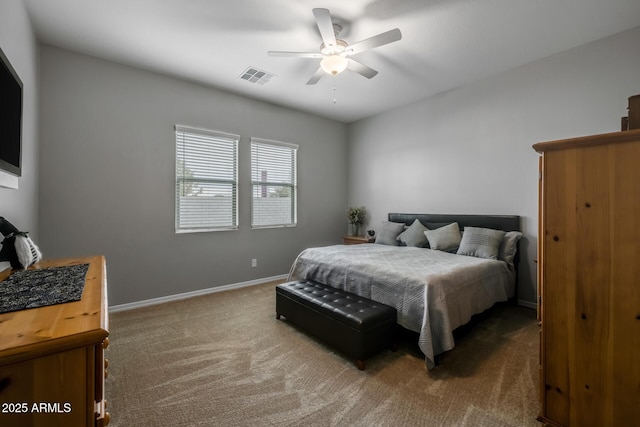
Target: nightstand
355, 240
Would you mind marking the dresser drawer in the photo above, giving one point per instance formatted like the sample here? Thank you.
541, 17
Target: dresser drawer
47, 391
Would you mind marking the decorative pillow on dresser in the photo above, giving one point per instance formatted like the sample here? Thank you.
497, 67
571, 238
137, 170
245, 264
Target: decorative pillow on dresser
481, 242
444, 238
414, 235
17, 246
389, 233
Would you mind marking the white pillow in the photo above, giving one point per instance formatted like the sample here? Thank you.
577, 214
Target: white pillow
389, 233
509, 246
444, 238
481, 242
414, 235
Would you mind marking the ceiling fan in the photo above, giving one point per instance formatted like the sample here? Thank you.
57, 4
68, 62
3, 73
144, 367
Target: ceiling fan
335, 54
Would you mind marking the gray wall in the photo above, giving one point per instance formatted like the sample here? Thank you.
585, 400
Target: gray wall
107, 177
19, 45
469, 150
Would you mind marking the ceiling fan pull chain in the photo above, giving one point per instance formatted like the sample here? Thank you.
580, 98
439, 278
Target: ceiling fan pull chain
334, 89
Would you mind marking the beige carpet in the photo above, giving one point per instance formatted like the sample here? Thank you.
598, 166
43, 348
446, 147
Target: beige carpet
224, 360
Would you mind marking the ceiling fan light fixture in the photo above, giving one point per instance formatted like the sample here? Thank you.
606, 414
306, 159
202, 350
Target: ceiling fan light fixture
335, 54
334, 64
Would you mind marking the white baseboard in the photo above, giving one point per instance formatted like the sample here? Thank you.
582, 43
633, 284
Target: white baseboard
528, 304
185, 295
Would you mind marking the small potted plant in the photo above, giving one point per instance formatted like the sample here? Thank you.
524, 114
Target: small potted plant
356, 217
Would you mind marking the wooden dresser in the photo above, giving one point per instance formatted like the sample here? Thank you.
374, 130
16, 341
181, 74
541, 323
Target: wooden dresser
52, 365
589, 280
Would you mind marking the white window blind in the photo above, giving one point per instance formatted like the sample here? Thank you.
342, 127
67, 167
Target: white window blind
206, 180
274, 185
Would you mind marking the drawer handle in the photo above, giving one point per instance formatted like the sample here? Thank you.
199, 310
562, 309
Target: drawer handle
4, 383
102, 416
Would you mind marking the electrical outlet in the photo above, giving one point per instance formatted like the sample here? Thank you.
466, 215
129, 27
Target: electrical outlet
254, 262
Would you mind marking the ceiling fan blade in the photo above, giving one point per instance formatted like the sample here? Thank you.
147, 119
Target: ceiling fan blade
375, 41
361, 69
316, 76
316, 55
325, 25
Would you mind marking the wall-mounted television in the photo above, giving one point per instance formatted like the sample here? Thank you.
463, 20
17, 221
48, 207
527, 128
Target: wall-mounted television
10, 118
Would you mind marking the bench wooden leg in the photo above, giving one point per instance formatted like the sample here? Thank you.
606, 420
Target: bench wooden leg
278, 316
360, 364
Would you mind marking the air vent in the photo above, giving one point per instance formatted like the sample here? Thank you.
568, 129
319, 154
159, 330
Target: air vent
255, 75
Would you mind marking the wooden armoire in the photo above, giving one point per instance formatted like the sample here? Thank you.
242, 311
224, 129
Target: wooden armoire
589, 280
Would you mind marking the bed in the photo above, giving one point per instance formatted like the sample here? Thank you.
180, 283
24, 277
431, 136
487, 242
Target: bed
433, 290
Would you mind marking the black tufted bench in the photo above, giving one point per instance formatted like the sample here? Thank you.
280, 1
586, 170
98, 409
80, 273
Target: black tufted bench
357, 326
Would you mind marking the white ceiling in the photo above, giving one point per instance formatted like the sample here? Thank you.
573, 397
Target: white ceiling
445, 44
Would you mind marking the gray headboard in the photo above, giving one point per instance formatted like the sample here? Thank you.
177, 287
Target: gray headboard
497, 222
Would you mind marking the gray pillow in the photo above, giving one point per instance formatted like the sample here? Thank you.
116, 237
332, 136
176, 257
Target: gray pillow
414, 235
481, 242
444, 238
509, 246
389, 233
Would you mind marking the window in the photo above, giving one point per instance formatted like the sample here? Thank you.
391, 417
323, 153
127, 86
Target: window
206, 180
274, 185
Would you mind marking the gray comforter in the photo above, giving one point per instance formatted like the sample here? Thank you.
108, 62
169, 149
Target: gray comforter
434, 292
